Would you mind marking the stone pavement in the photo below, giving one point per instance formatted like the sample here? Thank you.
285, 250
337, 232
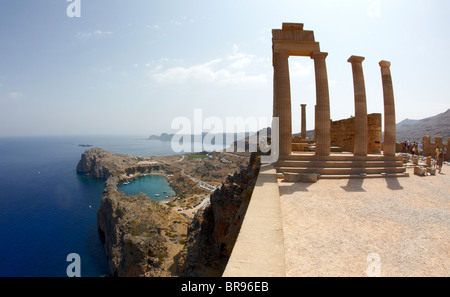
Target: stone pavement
331, 227
338, 227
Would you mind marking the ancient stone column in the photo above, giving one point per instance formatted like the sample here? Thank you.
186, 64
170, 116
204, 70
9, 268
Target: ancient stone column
361, 128
303, 131
282, 93
390, 131
323, 124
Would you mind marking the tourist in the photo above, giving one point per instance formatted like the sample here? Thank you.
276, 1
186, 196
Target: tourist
440, 160
437, 155
445, 153
413, 150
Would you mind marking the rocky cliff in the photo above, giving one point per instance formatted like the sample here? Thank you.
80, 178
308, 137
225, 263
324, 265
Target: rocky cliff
101, 164
213, 232
131, 229
145, 238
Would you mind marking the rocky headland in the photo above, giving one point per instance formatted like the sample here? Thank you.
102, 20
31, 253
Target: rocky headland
146, 238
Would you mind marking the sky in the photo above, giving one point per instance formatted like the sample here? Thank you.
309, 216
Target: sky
130, 67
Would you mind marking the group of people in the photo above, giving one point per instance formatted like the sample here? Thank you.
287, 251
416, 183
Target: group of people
440, 157
412, 147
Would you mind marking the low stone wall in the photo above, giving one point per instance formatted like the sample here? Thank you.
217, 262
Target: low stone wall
343, 133
429, 148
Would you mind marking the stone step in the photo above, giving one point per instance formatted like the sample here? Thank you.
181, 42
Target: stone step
338, 157
341, 171
338, 164
348, 176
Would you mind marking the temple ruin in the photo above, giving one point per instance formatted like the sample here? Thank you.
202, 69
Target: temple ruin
302, 156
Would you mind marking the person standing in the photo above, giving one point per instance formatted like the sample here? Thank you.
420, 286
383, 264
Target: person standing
440, 160
436, 155
445, 153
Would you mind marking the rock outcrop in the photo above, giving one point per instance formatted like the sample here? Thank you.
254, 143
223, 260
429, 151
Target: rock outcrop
133, 231
213, 232
101, 164
144, 238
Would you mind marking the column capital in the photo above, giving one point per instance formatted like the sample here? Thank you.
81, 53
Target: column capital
319, 55
302, 104
357, 59
385, 64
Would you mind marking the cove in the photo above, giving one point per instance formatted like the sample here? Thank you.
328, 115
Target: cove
155, 186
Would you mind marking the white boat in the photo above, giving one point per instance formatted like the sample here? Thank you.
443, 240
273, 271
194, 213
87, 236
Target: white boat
157, 195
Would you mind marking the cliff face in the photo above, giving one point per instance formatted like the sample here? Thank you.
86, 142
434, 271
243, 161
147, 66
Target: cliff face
144, 238
133, 231
102, 164
213, 232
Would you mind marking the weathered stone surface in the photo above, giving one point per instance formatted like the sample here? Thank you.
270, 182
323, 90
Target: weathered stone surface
431, 170
389, 146
302, 178
343, 133
361, 130
421, 171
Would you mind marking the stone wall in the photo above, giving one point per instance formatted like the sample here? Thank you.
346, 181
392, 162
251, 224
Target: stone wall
429, 147
343, 133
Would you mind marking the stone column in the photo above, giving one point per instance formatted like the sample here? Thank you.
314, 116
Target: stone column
361, 126
303, 131
390, 131
323, 124
282, 93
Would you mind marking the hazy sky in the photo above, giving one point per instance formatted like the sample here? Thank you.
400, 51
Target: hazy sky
132, 66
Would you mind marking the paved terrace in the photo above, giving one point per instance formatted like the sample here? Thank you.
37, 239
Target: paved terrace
329, 228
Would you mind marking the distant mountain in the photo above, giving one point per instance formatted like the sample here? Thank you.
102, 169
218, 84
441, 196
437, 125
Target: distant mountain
438, 125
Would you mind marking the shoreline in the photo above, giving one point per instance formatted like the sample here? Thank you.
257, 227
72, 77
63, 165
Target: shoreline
141, 236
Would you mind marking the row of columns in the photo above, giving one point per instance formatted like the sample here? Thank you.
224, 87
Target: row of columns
361, 130
282, 106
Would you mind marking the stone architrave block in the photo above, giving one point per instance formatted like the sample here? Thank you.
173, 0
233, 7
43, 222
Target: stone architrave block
302, 178
420, 171
431, 170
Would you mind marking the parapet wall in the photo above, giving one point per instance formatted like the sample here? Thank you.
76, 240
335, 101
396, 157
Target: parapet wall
343, 133
429, 148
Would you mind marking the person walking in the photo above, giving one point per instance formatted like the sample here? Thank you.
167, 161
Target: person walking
437, 155
445, 153
440, 160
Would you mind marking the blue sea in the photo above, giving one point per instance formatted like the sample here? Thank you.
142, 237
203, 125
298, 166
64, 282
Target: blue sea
48, 211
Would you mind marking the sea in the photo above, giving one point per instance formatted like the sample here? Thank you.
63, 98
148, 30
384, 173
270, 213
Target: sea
48, 211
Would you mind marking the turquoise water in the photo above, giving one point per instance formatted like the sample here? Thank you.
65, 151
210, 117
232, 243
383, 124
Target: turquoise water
152, 185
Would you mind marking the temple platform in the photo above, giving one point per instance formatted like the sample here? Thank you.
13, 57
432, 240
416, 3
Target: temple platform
341, 165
